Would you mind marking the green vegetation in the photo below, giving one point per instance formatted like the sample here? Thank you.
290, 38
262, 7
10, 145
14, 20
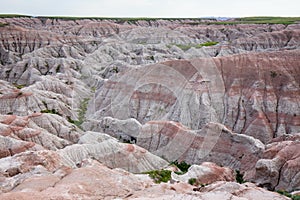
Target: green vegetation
239, 177
160, 175
287, 194
58, 68
52, 111
184, 47
183, 166
195, 182
197, 46
258, 20
192, 181
93, 89
12, 16
81, 113
115, 70
3, 24
152, 58
206, 44
273, 74
269, 20
18, 86
19, 94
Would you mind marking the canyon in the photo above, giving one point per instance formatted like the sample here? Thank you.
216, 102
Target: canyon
89, 107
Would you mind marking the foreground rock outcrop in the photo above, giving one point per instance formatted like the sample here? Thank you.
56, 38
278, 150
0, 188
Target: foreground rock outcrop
49, 180
172, 141
280, 167
205, 174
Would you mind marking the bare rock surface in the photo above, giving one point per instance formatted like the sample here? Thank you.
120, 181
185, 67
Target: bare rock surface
172, 141
112, 153
279, 168
47, 130
249, 93
206, 173
95, 181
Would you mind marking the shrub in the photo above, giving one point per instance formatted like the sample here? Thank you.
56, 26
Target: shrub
160, 175
53, 111
3, 24
192, 181
273, 74
295, 197
239, 177
115, 70
183, 166
18, 86
287, 194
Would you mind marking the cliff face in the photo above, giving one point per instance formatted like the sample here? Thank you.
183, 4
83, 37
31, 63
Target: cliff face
72, 91
256, 94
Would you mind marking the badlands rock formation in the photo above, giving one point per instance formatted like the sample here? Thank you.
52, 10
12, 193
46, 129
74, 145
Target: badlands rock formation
86, 103
95, 181
172, 141
206, 173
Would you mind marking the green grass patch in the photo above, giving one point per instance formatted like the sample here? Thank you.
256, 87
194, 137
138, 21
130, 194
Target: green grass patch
160, 175
19, 86
269, 20
287, 194
12, 16
206, 44
81, 113
192, 181
184, 47
197, 46
257, 20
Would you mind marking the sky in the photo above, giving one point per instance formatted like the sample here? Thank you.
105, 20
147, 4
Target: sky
152, 8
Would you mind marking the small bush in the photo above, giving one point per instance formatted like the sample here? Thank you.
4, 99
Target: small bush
3, 24
183, 166
160, 175
50, 111
287, 194
273, 74
18, 86
239, 177
295, 197
115, 70
192, 181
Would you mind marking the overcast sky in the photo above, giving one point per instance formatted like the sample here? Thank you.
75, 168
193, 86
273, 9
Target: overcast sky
152, 8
